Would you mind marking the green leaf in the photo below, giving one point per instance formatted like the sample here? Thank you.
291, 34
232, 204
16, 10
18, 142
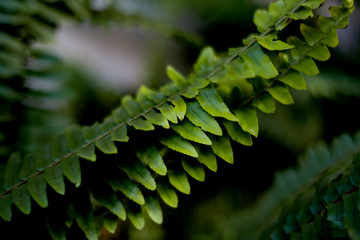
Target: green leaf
28, 167
294, 79
269, 42
102, 141
5, 207
12, 169
167, 193
169, 112
71, 169
139, 173
180, 107
21, 199
351, 215
212, 103
55, 178
110, 222
56, 228
190, 132
307, 66
311, 35
37, 188
76, 141
202, 119
262, 20
303, 14
177, 143
134, 110
313, 4
117, 132
281, 93
151, 157
264, 103
237, 134
207, 157
59, 147
205, 62
120, 134
152, 207
247, 120
238, 69
193, 168
179, 180
135, 215
85, 219
320, 53
332, 39
128, 188
104, 194
222, 147
258, 62
175, 76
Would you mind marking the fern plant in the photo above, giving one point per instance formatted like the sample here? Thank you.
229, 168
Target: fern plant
146, 149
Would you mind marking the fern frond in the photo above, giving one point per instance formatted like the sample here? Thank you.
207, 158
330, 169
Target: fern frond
158, 138
316, 199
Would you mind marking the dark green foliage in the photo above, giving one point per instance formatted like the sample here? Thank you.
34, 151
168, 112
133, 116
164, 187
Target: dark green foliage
150, 145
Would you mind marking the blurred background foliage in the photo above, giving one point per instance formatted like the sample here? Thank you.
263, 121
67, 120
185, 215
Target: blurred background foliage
80, 74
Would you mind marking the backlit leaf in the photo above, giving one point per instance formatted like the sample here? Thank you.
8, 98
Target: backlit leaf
139, 173
281, 93
190, 132
167, 194
193, 168
180, 107
179, 180
177, 143
222, 147
265, 103
293, 79
201, 118
212, 103
152, 207
237, 133
151, 157
247, 119
257, 60
128, 188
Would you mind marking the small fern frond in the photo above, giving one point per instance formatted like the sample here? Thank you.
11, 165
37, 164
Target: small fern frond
318, 199
151, 143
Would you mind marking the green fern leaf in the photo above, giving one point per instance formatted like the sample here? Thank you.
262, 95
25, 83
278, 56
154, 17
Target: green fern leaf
169, 112
102, 141
294, 79
37, 189
281, 93
265, 103
128, 188
202, 119
222, 148
212, 103
136, 217
248, 120
179, 144
351, 216
167, 194
56, 228
237, 133
140, 174
110, 222
21, 198
71, 169
180, 107
175, 76
307, 66
107, 197
190, 132
193, 168
76, 141
256, 59
151, 157
179, 180
152, 207
11, 171
207, 157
